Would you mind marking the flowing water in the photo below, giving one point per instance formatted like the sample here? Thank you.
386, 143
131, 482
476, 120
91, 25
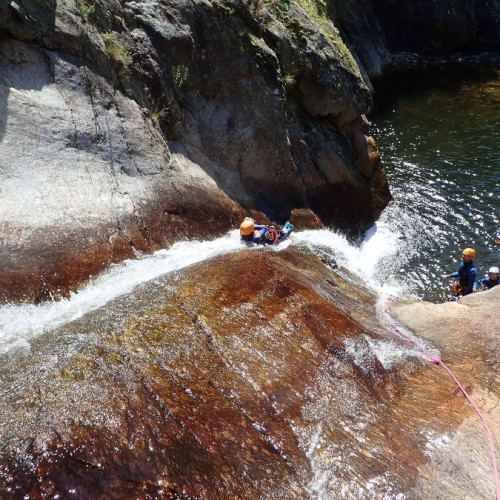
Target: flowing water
440, 147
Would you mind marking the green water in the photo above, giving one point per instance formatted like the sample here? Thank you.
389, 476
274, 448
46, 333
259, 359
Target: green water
440, 142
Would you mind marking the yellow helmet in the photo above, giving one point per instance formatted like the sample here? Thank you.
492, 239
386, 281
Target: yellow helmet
469, 251
247, 227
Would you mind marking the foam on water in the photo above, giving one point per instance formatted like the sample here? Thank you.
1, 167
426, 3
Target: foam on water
19, 322
371, 261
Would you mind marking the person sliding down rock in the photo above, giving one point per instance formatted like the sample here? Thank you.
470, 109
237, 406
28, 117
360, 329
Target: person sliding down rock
489, 281
257, 233
466, 275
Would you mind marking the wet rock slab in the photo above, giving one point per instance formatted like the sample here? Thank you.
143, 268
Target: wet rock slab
466, 334
260, 374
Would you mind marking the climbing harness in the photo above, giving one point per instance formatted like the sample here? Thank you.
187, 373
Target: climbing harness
272, 236
457, 289
432, 359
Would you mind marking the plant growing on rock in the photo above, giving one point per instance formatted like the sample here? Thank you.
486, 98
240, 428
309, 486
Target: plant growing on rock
160, 110
86, 9
289, 80
302, 19
117, 52
180, 74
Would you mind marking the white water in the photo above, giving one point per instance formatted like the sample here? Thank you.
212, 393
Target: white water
19, 323
371, 261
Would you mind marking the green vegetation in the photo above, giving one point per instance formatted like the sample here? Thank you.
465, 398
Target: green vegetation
289, 80
180, 74
280, 11
160, 110
86, 9
117, 52
316, 10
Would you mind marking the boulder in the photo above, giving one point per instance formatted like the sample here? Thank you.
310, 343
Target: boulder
260, 374
466, 334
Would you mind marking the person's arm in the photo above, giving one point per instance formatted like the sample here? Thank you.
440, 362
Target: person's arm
457, 273
259, 233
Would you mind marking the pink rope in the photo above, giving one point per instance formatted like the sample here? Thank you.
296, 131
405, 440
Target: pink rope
437, 361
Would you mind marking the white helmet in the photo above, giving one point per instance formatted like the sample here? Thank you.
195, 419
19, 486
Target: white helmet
494, 270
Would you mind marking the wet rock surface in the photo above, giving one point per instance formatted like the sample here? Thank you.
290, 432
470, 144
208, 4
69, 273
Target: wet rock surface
466, 334
260, 374
126, 127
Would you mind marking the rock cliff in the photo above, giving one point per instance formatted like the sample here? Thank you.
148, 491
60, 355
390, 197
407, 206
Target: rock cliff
440, 27
127, 125
388, 37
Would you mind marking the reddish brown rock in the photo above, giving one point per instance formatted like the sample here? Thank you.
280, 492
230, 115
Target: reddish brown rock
258, 374
303, 218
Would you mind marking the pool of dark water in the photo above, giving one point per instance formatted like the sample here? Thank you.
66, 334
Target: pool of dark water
439, 138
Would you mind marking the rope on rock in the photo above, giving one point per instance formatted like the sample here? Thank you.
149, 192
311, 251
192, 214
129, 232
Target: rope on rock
432, 359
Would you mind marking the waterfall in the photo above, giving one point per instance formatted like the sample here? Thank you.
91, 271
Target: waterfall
370, 262
19, 322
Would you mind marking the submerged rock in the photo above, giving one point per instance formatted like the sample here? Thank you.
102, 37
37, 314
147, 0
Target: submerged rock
260, 374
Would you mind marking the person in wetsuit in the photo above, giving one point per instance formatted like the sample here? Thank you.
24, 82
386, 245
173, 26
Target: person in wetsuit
466, 274
251, 232
257, 233
493, 279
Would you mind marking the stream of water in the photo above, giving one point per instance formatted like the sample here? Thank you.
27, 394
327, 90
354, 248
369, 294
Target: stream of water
18, 323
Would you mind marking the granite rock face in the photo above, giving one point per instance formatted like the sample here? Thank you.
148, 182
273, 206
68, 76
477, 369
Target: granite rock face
260, 374
466, 334
85, 177
125, 126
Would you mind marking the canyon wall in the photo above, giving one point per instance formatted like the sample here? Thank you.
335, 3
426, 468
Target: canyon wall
125, 126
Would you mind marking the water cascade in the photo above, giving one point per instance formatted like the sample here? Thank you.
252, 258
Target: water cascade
265, 372
371, 262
